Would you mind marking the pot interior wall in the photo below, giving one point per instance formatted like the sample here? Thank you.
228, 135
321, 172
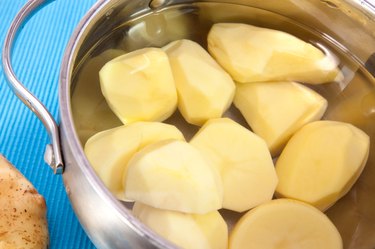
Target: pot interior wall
123, 27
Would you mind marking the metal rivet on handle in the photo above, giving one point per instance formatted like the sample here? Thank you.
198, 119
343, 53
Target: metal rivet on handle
49, 158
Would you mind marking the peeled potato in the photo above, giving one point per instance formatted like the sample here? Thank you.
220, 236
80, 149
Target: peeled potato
89, 109
243, 159
23, 221
139, 86
195, 231
109, 151
321, 162
254, 54
275, 110
284, 223
174, 175
204, 89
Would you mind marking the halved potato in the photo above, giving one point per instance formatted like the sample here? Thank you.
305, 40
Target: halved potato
284, 223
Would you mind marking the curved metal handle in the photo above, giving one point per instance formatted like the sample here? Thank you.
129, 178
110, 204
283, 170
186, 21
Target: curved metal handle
52, 155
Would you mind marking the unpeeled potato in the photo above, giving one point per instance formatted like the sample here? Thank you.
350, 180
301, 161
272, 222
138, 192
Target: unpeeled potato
23, 222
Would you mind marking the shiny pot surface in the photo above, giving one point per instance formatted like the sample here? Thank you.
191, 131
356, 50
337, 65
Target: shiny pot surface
345, 28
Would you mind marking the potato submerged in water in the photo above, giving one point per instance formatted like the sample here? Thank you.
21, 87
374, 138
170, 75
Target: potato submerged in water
139, 86
254, 54
109, 151
188, 231
204, 89
90, 111
243, 160
321, 162
174, 175
178, 186
284, 223
275, 110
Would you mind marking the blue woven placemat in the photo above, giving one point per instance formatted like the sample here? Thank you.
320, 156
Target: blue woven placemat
37, 57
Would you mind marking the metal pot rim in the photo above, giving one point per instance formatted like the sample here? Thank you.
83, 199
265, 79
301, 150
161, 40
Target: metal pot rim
66, 117
73, 140
67, 124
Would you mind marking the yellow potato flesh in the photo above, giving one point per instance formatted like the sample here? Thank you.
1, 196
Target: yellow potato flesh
139, 86
204, 89
200, 87
245, 164
275, 110
174, 175
109, 151
285, 224
321, 162
188, 231
254, 54
89, 109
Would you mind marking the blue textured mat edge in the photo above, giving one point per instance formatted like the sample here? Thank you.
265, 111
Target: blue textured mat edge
37, 57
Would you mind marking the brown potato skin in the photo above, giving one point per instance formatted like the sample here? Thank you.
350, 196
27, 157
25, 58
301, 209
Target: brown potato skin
23, 222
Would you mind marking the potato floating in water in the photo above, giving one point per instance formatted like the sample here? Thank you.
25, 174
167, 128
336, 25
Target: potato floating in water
188, 231
321, 162
254, 54
109, 151
284, 223
275, 110
174, 175
204, 89
245, 164
139, 86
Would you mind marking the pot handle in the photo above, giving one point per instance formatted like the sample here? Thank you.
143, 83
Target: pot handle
52, 155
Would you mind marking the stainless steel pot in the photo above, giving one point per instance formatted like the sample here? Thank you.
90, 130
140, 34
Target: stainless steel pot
347, 24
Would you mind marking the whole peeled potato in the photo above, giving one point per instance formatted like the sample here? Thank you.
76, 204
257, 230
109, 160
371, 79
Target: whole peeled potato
254, 54
23, 222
